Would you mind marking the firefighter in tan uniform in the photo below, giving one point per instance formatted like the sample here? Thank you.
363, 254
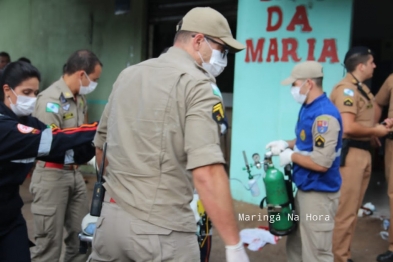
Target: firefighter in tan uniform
59, 190
161, 126
356, 105
384, 98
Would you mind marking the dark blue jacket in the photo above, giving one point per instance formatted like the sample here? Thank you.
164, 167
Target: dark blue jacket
305, 179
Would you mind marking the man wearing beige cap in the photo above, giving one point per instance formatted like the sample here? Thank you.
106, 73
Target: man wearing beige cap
315, 154
162, 127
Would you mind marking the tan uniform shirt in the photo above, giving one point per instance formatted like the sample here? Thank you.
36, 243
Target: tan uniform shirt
162, 121
348, 99
56, 105
325, 131
384, 96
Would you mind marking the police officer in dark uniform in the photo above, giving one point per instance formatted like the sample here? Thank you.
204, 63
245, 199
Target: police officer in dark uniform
23, 139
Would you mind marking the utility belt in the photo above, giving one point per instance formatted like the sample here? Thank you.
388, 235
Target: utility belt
59, 166
347, 143
390, 135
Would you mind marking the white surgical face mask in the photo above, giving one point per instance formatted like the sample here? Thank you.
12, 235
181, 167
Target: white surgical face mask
24, 105
217, 62
84, 90
295, 91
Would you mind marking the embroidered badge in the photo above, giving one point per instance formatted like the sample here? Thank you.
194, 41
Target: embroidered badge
68, 116
24, 129
52, 108
303, 135
53, 126
322, 124
66, 107
62, 99
348, 92
320, 141
218, 112
219, 116
348, 102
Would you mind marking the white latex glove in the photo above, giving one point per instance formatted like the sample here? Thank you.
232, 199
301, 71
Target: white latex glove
236, 253
286, 157
276, 147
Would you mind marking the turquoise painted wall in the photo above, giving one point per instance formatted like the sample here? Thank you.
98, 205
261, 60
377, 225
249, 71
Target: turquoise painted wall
48, 31
263, 110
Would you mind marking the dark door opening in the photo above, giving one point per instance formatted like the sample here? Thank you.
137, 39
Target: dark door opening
373, 27
163, 16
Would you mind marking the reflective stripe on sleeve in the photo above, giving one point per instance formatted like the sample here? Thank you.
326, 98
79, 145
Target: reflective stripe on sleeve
69, 157
45, 143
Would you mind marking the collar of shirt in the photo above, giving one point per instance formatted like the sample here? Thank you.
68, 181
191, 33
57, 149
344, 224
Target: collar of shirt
185, 58
7, 111
65, 90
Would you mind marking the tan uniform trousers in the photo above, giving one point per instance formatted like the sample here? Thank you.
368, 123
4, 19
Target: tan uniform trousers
389, 180
312, 239
121, 237
355, 178
60, 202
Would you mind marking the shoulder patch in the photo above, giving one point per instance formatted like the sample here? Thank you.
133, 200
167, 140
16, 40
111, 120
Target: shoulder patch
349, 92
52, 108
24, 129
218, 112
219, 116
320, 141
322, 124
348, 102
216, 90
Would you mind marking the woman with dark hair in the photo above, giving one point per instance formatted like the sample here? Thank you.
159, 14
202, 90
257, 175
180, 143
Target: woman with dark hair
23, 139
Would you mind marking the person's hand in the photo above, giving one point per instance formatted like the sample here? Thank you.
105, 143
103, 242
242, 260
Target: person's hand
388, 122
236, 253
276, 147
286, 157
381, 130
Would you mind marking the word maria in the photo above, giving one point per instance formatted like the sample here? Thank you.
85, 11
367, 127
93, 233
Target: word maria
289, 46
277, 217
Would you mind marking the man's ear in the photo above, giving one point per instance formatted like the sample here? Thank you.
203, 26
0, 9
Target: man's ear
197, 41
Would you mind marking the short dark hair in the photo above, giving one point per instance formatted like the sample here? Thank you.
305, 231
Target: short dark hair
15, 73
24, 59
318, 81
5, 54
353, 61
81, 60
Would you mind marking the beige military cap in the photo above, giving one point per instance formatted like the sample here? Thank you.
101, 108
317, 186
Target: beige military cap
208, 21
304, 70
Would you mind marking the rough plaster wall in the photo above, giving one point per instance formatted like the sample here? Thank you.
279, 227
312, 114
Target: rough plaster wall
48, 31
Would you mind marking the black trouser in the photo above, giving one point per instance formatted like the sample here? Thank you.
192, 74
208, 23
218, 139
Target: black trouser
14, 241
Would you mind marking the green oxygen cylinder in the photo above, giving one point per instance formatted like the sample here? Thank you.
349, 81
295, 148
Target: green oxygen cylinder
277, 199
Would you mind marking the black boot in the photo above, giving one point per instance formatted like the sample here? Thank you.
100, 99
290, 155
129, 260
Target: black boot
385, 257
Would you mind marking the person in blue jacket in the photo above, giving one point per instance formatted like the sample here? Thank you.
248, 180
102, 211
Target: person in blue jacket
315, 154
23, 139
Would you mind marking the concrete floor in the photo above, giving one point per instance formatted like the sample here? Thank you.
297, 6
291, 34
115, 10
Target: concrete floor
366, 246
